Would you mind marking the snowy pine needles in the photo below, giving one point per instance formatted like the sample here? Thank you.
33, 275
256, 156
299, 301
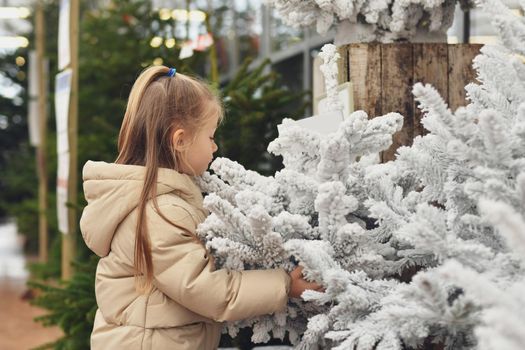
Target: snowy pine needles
427, 248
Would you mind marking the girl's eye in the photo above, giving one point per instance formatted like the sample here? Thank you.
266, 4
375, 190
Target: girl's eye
212, 138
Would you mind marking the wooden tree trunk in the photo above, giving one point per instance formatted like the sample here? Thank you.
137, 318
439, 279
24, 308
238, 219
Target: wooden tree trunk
383, 75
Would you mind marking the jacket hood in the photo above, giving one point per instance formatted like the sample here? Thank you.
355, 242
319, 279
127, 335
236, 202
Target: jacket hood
112, 192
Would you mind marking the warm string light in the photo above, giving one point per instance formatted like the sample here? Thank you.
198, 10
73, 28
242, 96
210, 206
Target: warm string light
180, 15
20, 61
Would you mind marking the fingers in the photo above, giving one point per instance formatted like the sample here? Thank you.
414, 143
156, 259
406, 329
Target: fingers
298, 271
318, 287
314, 286
297, 274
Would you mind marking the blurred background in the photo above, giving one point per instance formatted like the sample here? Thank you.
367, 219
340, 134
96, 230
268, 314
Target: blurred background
262, 68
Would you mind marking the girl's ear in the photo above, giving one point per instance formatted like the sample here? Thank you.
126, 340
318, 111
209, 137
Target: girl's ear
179, 140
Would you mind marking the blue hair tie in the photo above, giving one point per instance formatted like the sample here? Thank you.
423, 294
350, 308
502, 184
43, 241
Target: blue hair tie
171, 72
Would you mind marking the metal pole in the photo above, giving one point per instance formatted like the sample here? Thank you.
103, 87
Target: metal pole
214, 70
466, 26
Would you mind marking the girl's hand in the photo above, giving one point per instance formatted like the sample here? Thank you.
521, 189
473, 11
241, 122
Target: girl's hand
298, 285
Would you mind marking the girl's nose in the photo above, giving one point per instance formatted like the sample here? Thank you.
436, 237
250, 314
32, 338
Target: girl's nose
214, 147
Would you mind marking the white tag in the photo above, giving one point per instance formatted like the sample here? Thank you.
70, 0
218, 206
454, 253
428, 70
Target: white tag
186, 51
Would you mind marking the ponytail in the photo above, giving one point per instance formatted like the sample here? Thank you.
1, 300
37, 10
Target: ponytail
158, 104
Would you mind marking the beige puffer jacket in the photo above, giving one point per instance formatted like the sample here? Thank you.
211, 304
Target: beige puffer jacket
189, 297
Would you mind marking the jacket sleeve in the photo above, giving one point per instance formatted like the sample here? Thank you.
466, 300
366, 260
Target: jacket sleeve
185, 273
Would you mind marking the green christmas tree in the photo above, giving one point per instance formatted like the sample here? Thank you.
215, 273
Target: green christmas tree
255, 104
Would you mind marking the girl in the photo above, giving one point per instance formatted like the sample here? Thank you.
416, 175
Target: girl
156, 286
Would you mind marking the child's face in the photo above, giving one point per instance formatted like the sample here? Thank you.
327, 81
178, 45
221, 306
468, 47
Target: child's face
200, 153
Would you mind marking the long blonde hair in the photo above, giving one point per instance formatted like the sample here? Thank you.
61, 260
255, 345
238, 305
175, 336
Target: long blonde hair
158, 105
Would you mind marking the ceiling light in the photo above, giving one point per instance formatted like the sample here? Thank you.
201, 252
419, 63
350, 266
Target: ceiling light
183, 15
14, 12
13, 42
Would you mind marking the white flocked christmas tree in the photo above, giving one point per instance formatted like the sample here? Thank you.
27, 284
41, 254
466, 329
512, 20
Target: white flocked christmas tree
429, 248
373, 20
